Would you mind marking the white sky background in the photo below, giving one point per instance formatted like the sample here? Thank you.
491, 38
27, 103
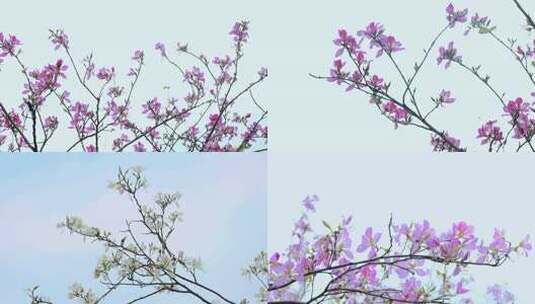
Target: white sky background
485, 191
292, 39
224, 205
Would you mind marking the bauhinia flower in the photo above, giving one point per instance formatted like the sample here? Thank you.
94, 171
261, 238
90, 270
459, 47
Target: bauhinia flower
410, 263
448, 54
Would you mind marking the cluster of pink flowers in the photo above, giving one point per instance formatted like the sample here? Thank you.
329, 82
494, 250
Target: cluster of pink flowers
360, 77
393, 267
396, 113
8, 46
445, 142
353, 69
204, 119
519, 113
490, 134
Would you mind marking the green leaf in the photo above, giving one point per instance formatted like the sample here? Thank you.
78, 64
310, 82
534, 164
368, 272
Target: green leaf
326, 225
486, 30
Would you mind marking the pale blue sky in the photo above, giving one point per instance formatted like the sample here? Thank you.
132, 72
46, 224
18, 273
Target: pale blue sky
487, 191
224, 204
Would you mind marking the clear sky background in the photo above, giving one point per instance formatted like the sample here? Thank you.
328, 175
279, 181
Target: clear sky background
224, 205
291, 38
485, 191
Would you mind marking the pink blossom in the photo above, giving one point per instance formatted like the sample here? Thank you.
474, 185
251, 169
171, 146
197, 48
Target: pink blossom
445, 143
345, 41
152, 108
445, 97
372, 32
106, 73
389, 44
59, 39
239, 32
414, 251
455, 16
395, 112
8, 46
161, 47
138, 55
516, 107
449, 55
477, 22
526, 246
51, 123
460, 289
139, 147
309, 202
120, 141
369, 241
489, 132
500, 295
337, 73
90, 148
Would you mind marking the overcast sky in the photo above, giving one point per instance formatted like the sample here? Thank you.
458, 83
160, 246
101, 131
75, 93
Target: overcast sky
224, 205
485, 191
292, 39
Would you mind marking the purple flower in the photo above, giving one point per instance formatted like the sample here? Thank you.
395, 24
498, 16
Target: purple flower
120, 141
445, 143
263, 72
525, 246
51, 123
500, 295
389, 44
373, 31
309, 202
152, 108
344, 40
489, 132
519, 112
445, 97
161, 47
90, 148
460, 289
59, 39
395, 112
106, 73
369, 240
455, 16
8, 46
239, 32
337, 73
477, 22
499, 244
138, 55
139, 147
516, 107
449, 55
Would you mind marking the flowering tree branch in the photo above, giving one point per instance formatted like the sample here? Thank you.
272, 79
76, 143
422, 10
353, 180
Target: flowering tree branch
141, 259
403, 107
529, 20
414, 264
207, 118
